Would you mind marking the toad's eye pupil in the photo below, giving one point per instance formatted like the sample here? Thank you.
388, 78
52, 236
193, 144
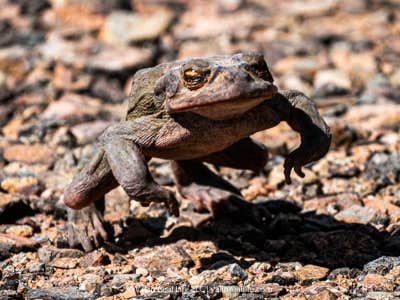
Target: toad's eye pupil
192, 74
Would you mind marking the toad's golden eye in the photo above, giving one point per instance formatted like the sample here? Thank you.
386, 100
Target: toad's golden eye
194, 79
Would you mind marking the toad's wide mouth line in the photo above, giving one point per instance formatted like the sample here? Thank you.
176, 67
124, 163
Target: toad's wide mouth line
182, 108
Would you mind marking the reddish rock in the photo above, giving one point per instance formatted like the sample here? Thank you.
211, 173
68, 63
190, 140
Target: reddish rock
122, 27
73, 108
30, 154
384, 205
376, 282
94, 259
309, 273
17, 243
162, 258
342, 201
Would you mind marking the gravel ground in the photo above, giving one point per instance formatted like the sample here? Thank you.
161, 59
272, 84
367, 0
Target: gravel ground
65, 73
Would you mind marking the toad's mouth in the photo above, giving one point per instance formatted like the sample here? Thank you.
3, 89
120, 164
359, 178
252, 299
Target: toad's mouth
223, 107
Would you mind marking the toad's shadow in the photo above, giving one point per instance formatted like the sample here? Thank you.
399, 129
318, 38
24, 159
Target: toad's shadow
289, 235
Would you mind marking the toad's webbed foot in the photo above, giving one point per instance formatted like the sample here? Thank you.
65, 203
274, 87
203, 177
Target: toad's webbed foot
206, 198
222, 203
209, 192
86, 228
206, 190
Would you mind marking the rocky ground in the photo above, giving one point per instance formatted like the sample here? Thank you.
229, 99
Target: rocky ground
65, 72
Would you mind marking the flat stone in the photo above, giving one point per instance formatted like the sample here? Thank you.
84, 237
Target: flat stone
373, 116
57, 49
269, 290
384, 205
108, 58
20, 230
88, 132
194, 25
305, 66
122, 27
30, 154
37, 267
58, 293
118, 59
21, 185
95, 258
162, 258
48, 254
382, 265
357, 214
64, 263
331, 82
376, 282
382, 295
324, 295
73, 108
72, 19
310, 8
310, 273
142, 271
342, 200
17, 243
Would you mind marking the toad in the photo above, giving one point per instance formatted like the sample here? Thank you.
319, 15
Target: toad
191, 112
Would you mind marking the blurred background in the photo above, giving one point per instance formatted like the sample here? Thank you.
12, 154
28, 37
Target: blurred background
342, 53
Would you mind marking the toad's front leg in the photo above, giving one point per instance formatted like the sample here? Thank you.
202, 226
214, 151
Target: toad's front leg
129, 167
84, 196
301, 113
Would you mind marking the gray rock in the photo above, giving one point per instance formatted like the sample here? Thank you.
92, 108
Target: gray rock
382, 265
58, 294
236, 271
331, 82
37, 267
358, 214
47, 254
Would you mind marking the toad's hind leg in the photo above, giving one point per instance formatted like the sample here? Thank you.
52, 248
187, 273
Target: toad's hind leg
210, 192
